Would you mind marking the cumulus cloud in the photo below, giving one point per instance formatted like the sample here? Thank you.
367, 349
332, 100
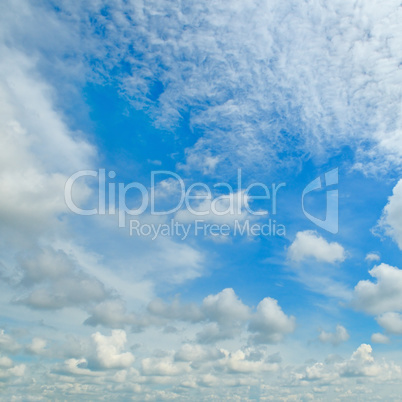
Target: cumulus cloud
391, 220
379, 338
163, 367
10, 371
372, 257
340, 335
196, 353
111, 314
75, 367
360, 364
57, 282
8, 343
222, 316
391, 322
109, 350
270, 324
227, 312
382, 296
37, 346
175, 310
242, 361
225, 316
309, 244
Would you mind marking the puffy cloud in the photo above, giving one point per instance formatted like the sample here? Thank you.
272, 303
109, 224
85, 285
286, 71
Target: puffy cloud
37, 346
224, 316
75, 367
228, 315
372, 257
360, 364
7, 343
175, 310
391, 220
213, 332
109, 350
384, 295
111, 314
242, 362
197, 353
391, 322
163, 367
379, 338
57, 282
270, 324
340, 335
225, 307
309, 244
5, 362
9, 371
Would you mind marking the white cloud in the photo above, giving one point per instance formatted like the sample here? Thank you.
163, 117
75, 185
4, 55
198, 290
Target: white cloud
37, 346
57, 282
222, 316
309, 244
391, 322
76, 367
384, 295
340, 335
111, 314
197, 353
317, 77
5, 362
270, 324
175, 310
163, 367
321, 71
7, 343
37, 155
372, 257
8, 373
379, 338
226, 314
240, 362
109, 350
225, 307
360, 364
391, 220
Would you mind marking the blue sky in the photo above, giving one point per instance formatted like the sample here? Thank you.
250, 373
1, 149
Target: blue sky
283, 92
